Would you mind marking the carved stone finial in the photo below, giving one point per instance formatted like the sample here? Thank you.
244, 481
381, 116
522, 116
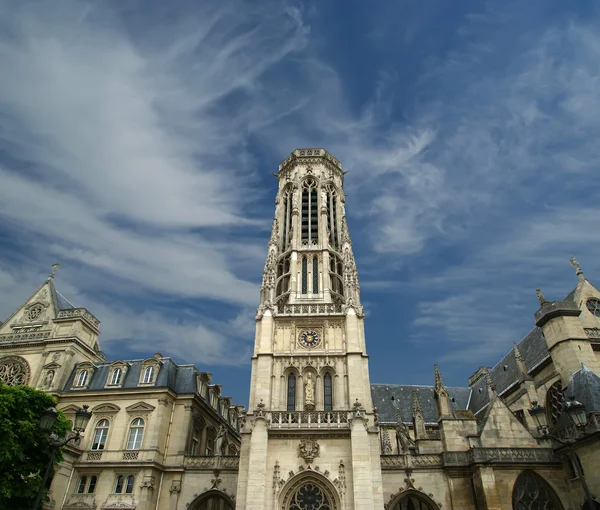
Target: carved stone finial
488, 381
417, 408
54, 269
578, 270
274, 232
541, 297
438, 382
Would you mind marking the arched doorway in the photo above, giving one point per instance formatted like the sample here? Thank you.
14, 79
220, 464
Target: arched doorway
213, 500
310, 492
531, 491
412, 500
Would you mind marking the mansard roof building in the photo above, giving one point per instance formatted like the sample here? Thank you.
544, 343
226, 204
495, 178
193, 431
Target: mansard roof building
317, 434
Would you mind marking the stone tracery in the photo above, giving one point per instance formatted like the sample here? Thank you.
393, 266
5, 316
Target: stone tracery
14, 370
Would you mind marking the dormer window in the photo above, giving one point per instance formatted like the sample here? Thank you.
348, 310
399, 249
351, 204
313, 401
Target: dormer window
148, 375
82, 378
115, 378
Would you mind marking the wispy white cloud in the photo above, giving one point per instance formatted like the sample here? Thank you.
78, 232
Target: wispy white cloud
124, 155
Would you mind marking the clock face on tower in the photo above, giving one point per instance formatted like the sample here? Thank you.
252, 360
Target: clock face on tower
309, 338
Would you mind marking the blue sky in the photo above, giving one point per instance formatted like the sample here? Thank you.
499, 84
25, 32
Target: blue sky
137, 141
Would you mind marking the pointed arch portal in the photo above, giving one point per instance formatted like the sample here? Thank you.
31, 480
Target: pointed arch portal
413, 500
213, 500
531, 491
310, 492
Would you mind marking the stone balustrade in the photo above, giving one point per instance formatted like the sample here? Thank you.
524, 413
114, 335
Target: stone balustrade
120, 456
309, 419
500, 456
223, 462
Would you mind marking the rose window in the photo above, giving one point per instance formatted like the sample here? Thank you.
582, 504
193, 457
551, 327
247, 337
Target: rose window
34, 312
309, 497
593, 305
14, 371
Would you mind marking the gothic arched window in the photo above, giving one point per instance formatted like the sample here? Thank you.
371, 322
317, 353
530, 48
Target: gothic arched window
310, 212
555, 403
304, 275
92, 485
332, 216
327, 392
119, 484
531, 491
413, 502
315, 274
286, 227
100, 435
291, 393
82, 484
14, 371
129, 485
136, 432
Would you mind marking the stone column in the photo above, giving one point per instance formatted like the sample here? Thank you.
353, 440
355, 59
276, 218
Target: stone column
362, 485
252, 496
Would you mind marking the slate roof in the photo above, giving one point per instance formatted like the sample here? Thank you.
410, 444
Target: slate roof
179, 378
62, 302
390, 397
585, 387
505, 374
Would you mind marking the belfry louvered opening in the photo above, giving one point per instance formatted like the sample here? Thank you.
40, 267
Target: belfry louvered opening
310, 213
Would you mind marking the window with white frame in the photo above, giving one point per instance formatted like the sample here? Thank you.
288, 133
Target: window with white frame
82, 378
148, 375
115, 378
100, 435
136, 432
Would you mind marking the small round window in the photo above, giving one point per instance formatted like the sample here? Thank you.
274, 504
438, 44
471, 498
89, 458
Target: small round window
593, 305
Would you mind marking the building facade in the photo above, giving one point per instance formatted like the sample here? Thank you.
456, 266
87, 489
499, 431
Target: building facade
317, 434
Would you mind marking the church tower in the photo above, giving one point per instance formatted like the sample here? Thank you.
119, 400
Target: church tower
311, 433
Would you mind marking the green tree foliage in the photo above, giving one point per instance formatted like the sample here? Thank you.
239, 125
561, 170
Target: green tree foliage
24, 448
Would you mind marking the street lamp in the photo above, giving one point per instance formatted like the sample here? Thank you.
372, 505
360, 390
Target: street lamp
47, 421
576, 411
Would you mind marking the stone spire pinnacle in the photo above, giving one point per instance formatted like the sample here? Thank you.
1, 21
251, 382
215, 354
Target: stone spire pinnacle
441, 393
578, 270
417, 408
439, 383
418, 417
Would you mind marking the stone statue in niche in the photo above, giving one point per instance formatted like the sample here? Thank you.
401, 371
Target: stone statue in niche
221, 435
309, 392
403, 437
49, 378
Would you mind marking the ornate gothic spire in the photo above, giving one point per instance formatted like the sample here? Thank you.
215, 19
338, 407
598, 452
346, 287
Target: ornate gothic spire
310, 259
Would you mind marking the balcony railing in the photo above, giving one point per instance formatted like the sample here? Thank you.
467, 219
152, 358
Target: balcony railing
309, 419
314, 309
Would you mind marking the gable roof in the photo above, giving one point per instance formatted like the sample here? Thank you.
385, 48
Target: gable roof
506, 373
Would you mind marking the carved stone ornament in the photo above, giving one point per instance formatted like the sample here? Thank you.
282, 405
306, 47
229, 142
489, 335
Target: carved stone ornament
308, 449
14, 370
410, 488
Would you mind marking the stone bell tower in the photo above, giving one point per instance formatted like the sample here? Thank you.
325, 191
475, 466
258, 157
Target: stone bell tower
311, 432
